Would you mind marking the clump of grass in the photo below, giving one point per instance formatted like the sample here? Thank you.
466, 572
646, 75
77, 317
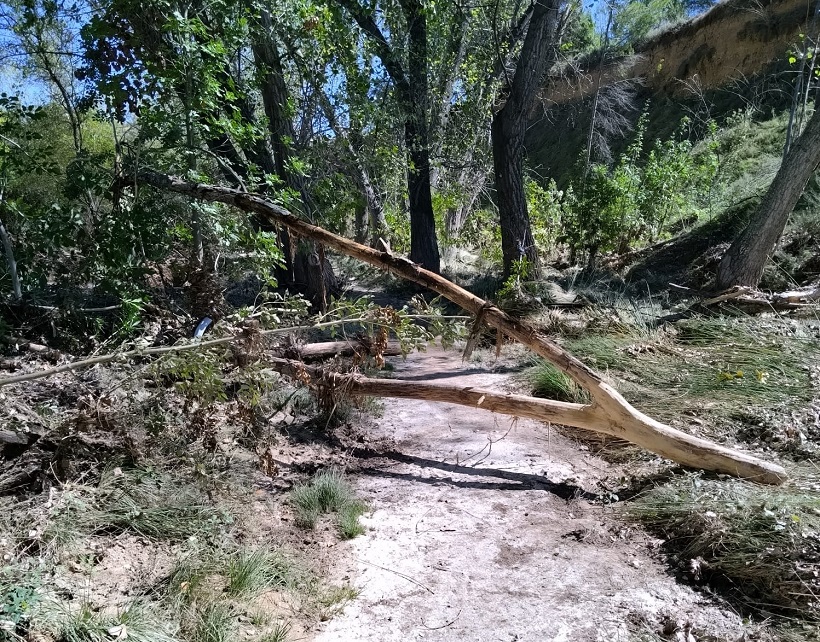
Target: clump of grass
328, 492
214, 622
599, 351
278, 633
140, 621
240, 573
251, 572
337, 596
748, 359
148, 503
720, 366
549, 382
348, 516
759, 542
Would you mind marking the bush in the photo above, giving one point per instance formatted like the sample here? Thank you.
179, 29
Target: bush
635, 200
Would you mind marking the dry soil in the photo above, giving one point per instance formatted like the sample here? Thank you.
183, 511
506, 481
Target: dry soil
487, 529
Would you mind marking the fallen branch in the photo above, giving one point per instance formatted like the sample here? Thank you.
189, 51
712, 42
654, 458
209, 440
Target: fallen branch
679, 446
728, 295
147, 352
608, 410
744, 295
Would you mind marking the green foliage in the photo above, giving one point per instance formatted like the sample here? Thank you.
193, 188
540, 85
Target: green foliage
195, 374
634, 20
580, 34
519, 273
612, 209
398, 222
19, 598
547, 207
378, 321
349, 524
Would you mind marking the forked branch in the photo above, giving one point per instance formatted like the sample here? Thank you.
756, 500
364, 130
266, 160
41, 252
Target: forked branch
609, 412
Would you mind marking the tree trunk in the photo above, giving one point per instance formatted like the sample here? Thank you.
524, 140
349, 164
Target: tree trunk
672, 444
609, 412
423, 241
413, 95
745, 260
8, 250
308, 266
509, 128
517, 242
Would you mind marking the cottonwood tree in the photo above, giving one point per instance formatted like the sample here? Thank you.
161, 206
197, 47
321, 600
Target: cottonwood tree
195, 75
509, 127
746, 258
409, 75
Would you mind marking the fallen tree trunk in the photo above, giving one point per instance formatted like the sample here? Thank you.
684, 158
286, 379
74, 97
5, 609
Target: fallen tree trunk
608, 408
346, 347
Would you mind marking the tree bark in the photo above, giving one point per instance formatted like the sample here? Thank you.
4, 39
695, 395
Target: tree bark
669, 443
509, 128
327, 349
423, 241
413, 94
308, 267
517, 242
608, 408
746, 258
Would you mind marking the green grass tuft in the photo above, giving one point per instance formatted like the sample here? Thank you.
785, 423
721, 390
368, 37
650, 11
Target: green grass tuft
252, 572
279, 632
328, 492
214, 622
148, 503
139, 621
549, 382
349, 524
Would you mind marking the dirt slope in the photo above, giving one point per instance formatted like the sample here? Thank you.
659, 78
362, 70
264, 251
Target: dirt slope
510, 543
734, 40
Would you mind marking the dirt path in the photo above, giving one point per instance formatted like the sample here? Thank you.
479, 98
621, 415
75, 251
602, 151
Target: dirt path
509, 543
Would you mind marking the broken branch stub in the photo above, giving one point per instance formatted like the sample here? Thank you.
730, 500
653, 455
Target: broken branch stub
609, 412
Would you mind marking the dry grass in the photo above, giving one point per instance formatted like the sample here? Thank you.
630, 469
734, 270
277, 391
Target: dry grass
718, 367
146, 502
760, 544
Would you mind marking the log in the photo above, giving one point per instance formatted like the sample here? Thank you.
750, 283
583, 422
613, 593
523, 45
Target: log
326, 349
608, 408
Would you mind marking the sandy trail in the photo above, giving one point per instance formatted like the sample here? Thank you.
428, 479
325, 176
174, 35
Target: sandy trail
503, 544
